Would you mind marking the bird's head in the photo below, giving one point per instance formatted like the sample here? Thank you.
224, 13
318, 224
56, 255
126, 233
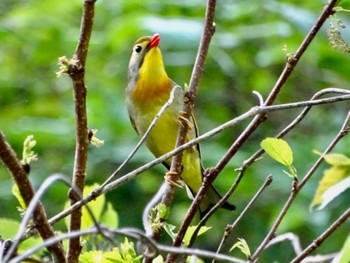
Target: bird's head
146, 59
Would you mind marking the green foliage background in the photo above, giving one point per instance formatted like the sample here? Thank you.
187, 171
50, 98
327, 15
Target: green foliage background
245, 55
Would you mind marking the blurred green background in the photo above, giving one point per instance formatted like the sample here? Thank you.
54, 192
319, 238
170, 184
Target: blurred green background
245, 55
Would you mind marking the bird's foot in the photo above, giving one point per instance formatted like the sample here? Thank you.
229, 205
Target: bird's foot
173, 179
185, 121
207, 171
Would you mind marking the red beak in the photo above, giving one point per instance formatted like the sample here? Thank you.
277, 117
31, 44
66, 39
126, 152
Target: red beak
154, 41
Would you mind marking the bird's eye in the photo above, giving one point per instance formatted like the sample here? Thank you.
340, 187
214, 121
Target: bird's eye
138, 48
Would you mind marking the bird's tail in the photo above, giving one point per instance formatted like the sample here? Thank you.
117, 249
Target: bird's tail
210, 199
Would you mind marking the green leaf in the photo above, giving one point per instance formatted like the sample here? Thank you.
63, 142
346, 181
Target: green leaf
96, 207
190, 231
158, 215
158, 259
278, 150
17, 194
193, 259
123, 254
8, 229
344, 256
163, 211
170, 230
242, 245
28, 155
110, 217
337, 159
127, 250
101, 257
335, 180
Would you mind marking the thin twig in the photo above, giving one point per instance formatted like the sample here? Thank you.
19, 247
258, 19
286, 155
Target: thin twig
295, 122
20, 176
29, 212
129, 232
321, 258
77, 73
229, 124
23, 233
318, 241
297, 187
146, 212
230, 227
294, 239
255, 123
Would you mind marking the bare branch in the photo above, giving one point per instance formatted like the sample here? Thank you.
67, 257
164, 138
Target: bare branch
287, 236
77, 73
29, 213
20, 176
229, 228
208, 32
295, 122
129, 232
254, 124
297, 187
252, 112
318, 241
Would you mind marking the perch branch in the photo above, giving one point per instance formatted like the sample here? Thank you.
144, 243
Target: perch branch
77, 73
254, 124
208, 32
252, 112
290, 65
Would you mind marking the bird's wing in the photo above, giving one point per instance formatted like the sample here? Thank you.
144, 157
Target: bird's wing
196, 132
133, 124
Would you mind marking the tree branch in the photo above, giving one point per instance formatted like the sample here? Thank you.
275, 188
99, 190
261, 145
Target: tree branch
20, 176
208, 32
297, 187
229, 124
77, 73
318, 241
229, 228
255, 123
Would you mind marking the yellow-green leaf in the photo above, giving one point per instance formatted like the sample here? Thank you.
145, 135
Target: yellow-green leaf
193, 259
127, 250
170, 230
110, 217
190, 231
279, 150
17, 194
158, 259
101, 256
344, 256
331, 185
28, 155
337, 159
96, 207
242, 245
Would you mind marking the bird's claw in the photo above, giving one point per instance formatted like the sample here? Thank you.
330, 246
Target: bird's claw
185, 121
170, 176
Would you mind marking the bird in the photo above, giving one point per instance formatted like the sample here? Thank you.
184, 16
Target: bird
148, 89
